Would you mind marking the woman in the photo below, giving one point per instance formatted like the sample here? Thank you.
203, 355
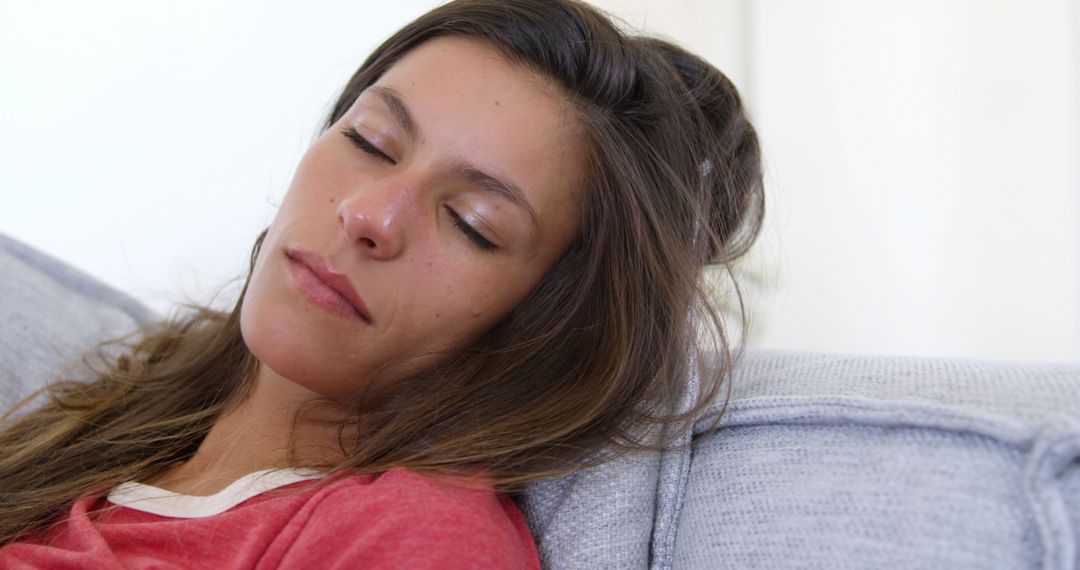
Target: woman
486, 271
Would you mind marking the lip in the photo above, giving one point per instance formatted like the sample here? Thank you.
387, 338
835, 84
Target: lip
327, 288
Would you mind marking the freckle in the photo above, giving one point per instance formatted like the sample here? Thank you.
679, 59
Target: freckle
496, 102
331, 200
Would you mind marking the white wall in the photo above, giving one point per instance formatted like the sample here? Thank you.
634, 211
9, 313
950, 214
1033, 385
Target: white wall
922, 171
923, 188
148, 143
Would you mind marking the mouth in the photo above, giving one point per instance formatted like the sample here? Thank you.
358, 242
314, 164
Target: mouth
325, 287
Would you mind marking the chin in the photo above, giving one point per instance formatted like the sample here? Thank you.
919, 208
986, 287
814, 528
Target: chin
283, 344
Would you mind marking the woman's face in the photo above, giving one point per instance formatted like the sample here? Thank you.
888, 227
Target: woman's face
441, 197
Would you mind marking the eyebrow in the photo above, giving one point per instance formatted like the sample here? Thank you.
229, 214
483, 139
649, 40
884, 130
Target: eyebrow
397, 107
493, 185
509, 192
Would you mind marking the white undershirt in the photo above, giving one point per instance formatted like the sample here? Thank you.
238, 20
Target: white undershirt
158, 501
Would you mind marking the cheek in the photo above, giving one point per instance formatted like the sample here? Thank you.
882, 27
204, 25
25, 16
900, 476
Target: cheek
482, 300
315, 181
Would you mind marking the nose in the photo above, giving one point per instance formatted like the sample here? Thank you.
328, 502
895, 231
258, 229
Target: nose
372, 221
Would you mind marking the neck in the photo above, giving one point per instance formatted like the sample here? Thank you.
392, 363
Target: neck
253, 434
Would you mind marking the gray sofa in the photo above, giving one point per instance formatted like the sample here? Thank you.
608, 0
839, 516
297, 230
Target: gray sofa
821, 460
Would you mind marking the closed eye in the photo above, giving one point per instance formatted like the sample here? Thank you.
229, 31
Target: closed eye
365, 145
470, 232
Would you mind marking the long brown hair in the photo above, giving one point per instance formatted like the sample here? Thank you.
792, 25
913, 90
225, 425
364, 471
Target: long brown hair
594, 362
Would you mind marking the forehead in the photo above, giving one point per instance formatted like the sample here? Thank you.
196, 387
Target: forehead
470, 104
468, 67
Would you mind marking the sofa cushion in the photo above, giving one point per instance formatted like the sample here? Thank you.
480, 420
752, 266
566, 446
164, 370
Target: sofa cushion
833, 461
50, 314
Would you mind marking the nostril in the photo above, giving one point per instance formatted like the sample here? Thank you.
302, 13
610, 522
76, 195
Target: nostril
372, 230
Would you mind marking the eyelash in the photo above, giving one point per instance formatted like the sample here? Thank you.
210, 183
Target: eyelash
363, 144
470, 232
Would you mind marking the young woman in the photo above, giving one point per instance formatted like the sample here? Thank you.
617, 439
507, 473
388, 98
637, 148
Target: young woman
486, 271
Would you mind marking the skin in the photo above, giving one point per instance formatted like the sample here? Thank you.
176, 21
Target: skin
386, 222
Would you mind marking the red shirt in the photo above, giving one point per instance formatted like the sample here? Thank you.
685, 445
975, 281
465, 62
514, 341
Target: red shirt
395, 520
